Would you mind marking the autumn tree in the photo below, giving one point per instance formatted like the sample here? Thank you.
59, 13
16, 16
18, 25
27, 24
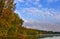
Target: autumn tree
9, 20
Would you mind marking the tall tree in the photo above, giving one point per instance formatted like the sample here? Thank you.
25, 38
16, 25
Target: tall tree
9, 20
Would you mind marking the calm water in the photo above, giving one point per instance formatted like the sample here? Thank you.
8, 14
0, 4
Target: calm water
34, 37
55, 37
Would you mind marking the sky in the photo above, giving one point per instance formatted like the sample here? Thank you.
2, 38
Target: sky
39, 14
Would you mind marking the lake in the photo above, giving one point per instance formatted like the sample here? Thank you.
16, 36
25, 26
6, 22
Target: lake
55, 37
45, 36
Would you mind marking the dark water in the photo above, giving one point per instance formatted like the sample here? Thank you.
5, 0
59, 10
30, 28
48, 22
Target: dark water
34, 37
56, 37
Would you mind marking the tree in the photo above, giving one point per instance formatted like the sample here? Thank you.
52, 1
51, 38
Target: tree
9, 20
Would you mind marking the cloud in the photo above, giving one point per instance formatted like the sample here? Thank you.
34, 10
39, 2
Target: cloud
30, 3
37, 1
42, 25
57, 16
21, 0
51, 1
39, 12
31, 12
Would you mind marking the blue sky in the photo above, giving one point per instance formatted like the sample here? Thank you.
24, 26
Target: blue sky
38, 12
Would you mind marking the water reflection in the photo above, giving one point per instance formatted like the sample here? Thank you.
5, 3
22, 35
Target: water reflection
55, 37
34, 37
50, 36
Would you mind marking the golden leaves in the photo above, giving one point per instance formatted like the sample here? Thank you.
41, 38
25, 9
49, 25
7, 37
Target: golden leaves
9, 21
